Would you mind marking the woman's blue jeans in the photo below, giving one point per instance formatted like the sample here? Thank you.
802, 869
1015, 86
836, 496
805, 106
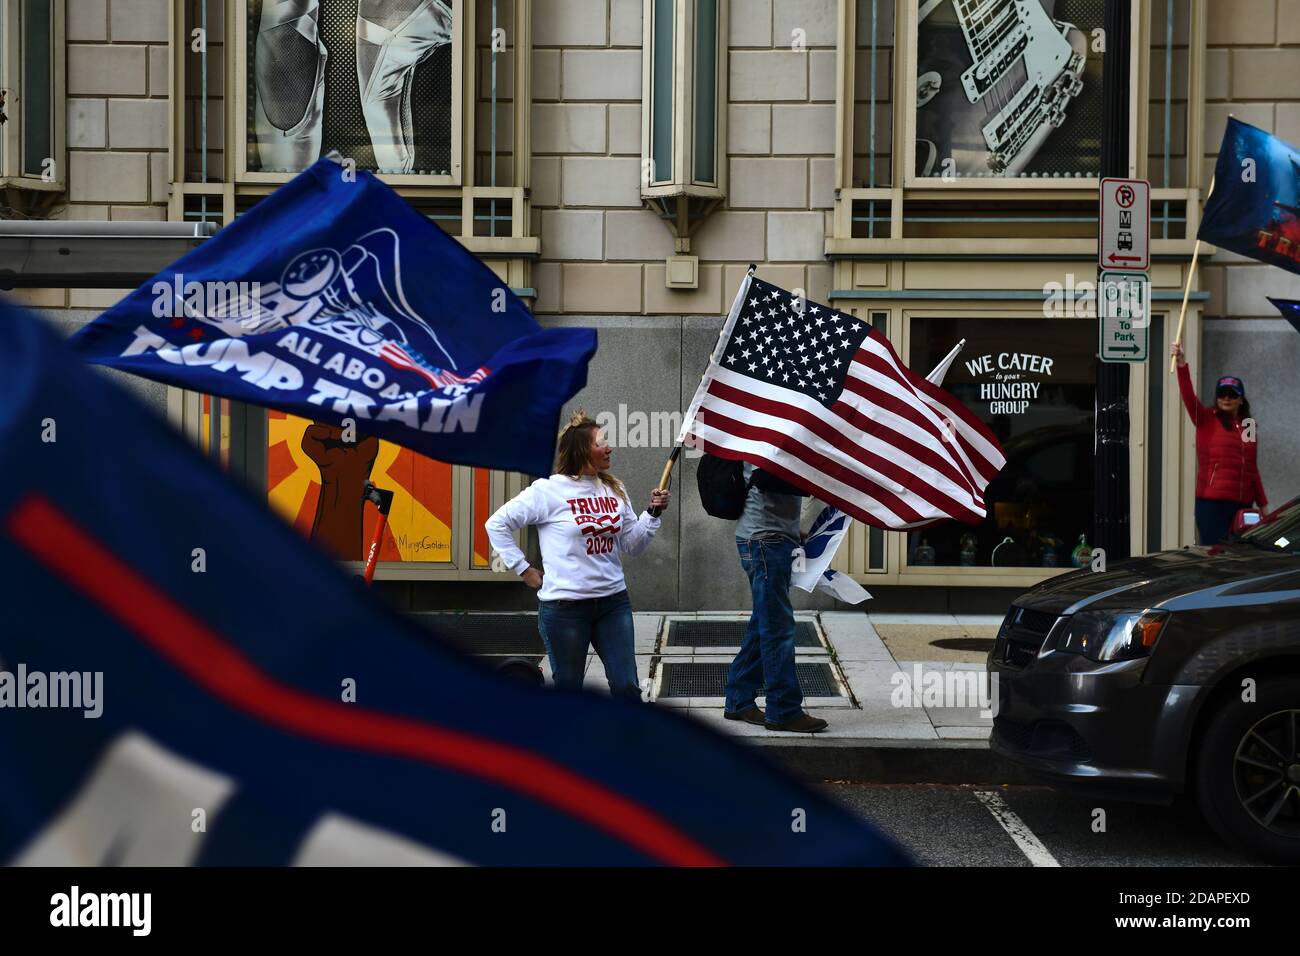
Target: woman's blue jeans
1214, 519
766, 657
569, 628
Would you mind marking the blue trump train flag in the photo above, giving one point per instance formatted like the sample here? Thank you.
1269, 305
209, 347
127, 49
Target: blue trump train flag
184, 680
1254, 209
1290, 310
334, 299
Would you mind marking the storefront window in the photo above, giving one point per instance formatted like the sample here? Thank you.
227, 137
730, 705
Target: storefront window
1008, 90
1032, 382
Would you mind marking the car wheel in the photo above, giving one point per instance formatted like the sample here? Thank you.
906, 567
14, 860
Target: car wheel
1248, 771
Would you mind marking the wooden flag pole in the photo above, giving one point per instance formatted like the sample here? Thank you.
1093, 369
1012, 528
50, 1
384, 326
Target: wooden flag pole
1187, 291
714, 356
668, 467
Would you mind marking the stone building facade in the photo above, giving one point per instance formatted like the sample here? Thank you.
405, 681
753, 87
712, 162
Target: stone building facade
812, 118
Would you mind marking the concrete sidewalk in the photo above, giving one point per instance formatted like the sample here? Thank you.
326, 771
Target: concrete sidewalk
891, 720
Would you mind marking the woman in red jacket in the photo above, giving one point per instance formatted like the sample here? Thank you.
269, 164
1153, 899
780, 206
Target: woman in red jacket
1227, 478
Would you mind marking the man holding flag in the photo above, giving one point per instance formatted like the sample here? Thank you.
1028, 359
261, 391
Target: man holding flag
815, 401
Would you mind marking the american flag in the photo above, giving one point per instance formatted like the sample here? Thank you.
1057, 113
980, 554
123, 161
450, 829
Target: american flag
819, 399
398, 357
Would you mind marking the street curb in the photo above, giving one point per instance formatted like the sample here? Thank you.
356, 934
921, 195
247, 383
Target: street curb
893, 761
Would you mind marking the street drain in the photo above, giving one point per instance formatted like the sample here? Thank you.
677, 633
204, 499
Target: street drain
729, 634
709, 679
981, 644
485, 633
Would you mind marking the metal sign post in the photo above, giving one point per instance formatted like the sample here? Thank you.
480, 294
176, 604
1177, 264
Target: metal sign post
1111, 529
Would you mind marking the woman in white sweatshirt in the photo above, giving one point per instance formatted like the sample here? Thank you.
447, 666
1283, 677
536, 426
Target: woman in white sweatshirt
585, 523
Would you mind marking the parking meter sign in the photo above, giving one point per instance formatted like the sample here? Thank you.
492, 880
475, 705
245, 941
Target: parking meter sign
1125, 224
1123, 316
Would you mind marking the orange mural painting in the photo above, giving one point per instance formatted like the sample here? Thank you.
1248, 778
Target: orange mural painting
311, 476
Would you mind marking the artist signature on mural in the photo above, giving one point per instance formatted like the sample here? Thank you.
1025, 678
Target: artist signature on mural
421, 545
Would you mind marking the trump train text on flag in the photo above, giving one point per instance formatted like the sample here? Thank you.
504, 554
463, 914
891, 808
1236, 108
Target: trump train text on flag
335, 300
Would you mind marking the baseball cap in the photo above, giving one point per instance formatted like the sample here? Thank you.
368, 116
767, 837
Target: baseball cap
1231, 383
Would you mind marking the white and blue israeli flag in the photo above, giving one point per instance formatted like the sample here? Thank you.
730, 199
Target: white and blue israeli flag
814, 572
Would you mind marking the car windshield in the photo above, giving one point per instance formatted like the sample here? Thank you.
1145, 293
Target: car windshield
1279, 531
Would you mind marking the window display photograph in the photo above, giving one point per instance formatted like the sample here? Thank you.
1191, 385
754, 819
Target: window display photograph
1032, 382
370, 79
1008, 89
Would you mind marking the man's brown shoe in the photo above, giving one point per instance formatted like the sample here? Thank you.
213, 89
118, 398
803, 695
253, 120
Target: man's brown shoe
750, 715
802, 724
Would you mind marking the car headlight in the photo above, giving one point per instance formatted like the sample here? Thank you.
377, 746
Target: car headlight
1112, 635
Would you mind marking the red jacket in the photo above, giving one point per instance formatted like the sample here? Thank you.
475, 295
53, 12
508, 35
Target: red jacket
1225, 464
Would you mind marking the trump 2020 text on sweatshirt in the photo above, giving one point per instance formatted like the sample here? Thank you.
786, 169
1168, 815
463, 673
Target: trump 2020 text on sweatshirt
583, 527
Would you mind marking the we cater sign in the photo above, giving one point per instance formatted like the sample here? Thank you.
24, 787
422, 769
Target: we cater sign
1004, 382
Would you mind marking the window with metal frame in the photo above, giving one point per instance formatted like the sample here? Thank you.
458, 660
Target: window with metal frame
32, 137
684, 141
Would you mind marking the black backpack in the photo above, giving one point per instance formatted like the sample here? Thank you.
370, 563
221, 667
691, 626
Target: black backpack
722, 486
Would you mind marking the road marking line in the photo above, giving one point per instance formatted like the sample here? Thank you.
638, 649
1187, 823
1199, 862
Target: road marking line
1029, 844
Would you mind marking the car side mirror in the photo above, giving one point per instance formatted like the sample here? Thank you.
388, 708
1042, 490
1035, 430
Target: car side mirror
1246, 518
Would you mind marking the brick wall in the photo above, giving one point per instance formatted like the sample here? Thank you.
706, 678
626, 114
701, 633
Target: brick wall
1252, 64
118, 124
602, 251
118, 118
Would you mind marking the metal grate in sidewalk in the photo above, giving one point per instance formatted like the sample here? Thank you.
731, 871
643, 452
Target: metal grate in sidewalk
709, 679
702, 633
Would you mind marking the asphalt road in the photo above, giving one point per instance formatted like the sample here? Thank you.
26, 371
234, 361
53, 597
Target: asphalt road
1026, 826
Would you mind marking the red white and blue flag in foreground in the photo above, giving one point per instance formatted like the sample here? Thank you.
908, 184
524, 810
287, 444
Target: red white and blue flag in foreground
161, 703
334, 299
819, 398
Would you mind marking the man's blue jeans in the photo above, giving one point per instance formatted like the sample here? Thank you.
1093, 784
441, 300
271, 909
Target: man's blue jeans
766, 655
568, 628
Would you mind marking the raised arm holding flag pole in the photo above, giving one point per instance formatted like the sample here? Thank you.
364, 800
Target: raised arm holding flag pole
714, 358
1255, 211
